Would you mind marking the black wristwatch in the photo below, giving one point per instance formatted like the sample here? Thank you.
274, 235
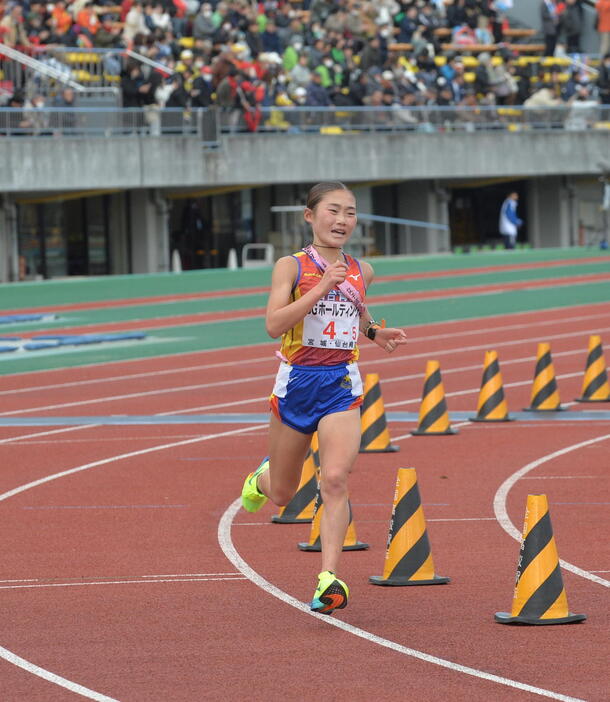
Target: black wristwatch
371, 330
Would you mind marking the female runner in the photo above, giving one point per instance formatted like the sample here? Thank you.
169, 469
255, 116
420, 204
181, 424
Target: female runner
316, 306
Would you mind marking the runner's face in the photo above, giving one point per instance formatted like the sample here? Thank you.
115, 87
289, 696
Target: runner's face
333, 219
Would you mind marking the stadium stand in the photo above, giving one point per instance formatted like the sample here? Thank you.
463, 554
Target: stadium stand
247, 58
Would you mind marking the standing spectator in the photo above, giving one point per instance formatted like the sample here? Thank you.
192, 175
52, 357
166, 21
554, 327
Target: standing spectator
603, 81
549, 14
134, 23
204, 26
572, 24
88, 21
603, 25
12, 30
509, 222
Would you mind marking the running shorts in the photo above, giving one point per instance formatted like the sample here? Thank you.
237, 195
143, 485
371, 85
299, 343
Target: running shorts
302, 395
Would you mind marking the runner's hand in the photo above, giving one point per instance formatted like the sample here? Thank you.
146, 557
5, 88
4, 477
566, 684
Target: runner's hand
334, 275
390, 338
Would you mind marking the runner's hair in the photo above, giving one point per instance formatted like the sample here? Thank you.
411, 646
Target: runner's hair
318, 191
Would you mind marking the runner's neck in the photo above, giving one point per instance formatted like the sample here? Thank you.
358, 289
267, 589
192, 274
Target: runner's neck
329, 253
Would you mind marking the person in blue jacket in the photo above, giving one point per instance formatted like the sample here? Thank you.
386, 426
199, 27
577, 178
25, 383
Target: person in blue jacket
509, 221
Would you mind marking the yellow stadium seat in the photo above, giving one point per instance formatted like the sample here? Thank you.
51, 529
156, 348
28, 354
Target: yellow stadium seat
470, 76
186, 42
470, 61
331, 129
602, 125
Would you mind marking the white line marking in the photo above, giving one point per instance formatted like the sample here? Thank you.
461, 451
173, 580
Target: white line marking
559, 477
502, 495
394, 359
42, 672
52, 677
45, 433
226, 544
116, 582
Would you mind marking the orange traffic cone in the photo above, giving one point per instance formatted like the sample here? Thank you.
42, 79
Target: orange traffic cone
301, 508
595, 386
350, 542
492, 405
433, 416
408, 559
375, 437
539, 596
545, 394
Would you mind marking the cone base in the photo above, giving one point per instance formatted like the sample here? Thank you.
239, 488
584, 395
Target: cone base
399, 582
507, 618
448, 432
536, 409
389, 449
277, 519
588, 399
358, 546
484, 419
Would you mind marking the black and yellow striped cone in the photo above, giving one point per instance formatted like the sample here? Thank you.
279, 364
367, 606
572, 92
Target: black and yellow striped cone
539, 596
374, 434
300, 509
545, 394
492, 406
433, 415
595, 386
350, 542
408, 559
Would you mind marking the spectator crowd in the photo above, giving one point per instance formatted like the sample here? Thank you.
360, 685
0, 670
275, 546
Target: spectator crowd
243, 55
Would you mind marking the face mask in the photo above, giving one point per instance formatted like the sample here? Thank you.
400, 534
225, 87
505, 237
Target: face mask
328, 64
298, 46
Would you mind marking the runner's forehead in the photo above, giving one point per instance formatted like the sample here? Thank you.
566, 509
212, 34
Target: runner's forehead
347, 201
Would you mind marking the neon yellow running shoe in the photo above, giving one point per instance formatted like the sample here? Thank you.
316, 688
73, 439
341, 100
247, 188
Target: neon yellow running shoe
252, 499
330, 594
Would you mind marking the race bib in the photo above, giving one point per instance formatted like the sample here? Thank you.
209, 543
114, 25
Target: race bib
333, 323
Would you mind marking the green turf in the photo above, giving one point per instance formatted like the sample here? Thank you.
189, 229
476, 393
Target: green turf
28, 295
217, 335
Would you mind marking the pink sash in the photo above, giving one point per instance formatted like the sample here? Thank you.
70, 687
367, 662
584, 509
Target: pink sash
350, 292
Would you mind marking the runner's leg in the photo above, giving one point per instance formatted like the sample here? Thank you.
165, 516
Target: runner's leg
287, 451
339, 439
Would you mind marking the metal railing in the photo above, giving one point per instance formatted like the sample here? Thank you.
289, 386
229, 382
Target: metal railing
211, 124
45, 74
99, 122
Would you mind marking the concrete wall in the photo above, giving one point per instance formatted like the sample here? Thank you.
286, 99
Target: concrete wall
43, 165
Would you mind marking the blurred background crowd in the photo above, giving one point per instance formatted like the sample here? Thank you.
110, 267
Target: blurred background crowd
242, 55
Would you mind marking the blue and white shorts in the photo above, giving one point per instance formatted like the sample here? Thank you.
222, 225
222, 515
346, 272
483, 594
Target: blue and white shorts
302, 395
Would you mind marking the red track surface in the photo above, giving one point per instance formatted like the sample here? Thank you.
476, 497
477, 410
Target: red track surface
79, 550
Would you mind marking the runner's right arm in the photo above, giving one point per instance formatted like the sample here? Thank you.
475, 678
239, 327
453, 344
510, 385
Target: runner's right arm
284, 313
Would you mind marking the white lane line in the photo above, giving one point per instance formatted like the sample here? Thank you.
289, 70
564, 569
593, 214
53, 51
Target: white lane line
116, 582
42, 672
255, 378
147, 393
559, 477
45, 433
130, 577
501, 496
52, 677
226, 544
270, 357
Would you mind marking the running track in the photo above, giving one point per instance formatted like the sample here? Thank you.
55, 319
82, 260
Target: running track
129, 573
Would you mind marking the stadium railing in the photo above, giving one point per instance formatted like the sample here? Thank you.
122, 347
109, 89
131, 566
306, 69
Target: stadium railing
212, 123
